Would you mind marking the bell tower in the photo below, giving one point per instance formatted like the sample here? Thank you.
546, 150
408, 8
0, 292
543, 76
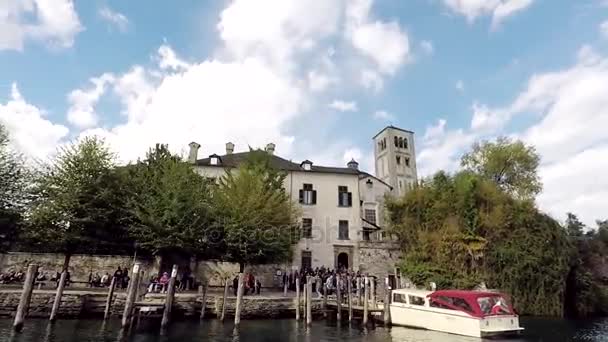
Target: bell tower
395, 158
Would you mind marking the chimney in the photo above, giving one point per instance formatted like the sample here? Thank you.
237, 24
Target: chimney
193, 154
270, 148
229, 148
352, 164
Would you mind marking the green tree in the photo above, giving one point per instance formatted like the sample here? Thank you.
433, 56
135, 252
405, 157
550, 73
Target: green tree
574, 226
79, 203
257, 219
13, 190
170, 205
512, 165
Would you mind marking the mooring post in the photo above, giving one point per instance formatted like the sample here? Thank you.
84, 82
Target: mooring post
106, 312
305, 288
387, 303
239, 299
297, 297
169, 299
349, 289
373, 292
26, 296
58, 295
324, 300
285, 283
359, 293
365, 300
130, 300
338, 299
308, 301
223, 315
204, 301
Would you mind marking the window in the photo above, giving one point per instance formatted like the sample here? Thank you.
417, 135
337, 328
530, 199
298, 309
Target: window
343, 230
404, 142
399, 298
415, 300
400, 142
308, 196
307, 228
214, 160
366, 235
370, 215
396, 142
398, 160
345, 198
306, 260
461, 303
407, 162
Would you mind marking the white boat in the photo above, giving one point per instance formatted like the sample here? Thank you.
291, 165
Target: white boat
467, 313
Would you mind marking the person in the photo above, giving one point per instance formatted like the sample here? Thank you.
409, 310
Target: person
91, 278
318, 285
125, 280
251, 283
118, 276
164, 282
498, 308
187, 280
235, 284
104, 279
258, 286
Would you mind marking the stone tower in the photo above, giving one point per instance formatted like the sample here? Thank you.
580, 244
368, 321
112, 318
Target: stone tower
395, 158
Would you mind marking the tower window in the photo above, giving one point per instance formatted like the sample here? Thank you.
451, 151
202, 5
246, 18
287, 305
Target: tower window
396, 142
407, 162
399, 160
404, 142
400, 142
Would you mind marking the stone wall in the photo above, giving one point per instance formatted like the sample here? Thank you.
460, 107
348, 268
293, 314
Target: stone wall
379, 258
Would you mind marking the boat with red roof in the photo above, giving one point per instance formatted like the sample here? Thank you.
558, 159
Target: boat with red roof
468, 313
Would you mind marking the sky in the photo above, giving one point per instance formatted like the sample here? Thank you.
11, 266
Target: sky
319, 78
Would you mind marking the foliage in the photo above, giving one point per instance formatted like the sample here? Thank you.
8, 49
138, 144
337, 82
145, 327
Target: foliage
79, 203
510, 164
169, 203
460, 230
13, 190
257, 220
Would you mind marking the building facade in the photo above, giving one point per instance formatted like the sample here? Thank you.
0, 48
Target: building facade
342, 207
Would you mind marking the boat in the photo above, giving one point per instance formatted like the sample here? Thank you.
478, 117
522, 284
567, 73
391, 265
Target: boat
467, 313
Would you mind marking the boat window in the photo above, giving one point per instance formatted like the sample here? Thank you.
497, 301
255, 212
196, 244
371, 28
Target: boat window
494, 305
461, 303
415, 300
434, 304
399, 298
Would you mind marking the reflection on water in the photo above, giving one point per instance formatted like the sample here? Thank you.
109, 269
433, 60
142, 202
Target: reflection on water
36, 330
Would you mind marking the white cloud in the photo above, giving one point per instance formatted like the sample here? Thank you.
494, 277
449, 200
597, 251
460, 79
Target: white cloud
30, 131
114, 18
318, 81
54, 22
440, 149
82, 102
370, 79
168, 59
383, 115
460, 86
344, 106
604, 29
384, 42
499, 10
427, 47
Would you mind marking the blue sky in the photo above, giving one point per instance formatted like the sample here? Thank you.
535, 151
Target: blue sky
319, 78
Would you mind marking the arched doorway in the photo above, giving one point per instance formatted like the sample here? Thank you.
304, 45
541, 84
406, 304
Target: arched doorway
343, 260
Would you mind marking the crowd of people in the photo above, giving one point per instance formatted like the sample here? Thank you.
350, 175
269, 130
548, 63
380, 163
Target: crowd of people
251, 284
324, 280
121, 275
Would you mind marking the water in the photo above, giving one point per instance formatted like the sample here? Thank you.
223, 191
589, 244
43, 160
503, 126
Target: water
37, 330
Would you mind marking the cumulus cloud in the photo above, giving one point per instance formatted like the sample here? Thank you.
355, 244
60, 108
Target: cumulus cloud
55, 23
114, 18
82, 102
31, 132
344, 106
499, 10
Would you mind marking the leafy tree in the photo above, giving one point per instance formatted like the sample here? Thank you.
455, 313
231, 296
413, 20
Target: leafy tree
13, 190
257, 219
512, 165
574, 227
79, 204
170, 205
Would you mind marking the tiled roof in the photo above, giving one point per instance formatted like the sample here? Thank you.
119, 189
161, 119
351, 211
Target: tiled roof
234, 159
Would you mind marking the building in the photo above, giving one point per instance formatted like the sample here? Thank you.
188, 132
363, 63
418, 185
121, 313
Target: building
342, 207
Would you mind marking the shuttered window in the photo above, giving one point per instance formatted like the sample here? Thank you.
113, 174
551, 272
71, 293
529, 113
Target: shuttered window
345, 198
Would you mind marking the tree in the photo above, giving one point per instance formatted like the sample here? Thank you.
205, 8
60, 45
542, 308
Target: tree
170, 205
79, 203
13, 190
512, 165
574, 226
257, 219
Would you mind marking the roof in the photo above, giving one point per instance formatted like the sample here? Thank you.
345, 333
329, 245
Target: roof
393, 127
416, 292
464, 294
235, 159
363, 174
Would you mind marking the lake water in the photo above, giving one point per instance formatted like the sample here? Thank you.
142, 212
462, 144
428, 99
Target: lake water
38, 330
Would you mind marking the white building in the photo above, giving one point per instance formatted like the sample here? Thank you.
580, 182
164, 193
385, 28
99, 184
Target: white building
342, 207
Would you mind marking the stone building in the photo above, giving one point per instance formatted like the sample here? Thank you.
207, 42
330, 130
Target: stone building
342, 207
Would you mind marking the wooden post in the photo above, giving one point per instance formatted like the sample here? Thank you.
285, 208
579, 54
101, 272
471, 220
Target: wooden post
387, 303
26, 296
130, 300
169, 299
297, 298
349, 289
223, 316
401, 281
58, 295
372, 286
106, 312
324, 301
285, 283
204, 301
239, 299
338, 299
305, 288
308, 301
365, 300
359, 292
